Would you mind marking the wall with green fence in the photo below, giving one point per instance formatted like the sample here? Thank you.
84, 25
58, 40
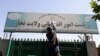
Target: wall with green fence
40, 48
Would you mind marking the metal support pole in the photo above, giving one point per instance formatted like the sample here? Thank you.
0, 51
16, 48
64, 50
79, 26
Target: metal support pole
92, 37
9, 44
5, 35
10, 35
86, 38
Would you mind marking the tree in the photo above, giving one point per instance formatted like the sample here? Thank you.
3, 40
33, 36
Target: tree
96, 9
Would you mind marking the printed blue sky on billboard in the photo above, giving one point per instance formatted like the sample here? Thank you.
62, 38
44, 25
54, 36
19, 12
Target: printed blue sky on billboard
37, 22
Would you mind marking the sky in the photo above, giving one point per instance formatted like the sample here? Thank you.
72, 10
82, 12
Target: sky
46, 6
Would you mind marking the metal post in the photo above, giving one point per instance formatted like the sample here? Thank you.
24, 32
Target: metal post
92, 37
10, 35
86, 38
9, 44
5, 35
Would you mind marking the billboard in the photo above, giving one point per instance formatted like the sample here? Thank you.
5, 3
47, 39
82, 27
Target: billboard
37, 22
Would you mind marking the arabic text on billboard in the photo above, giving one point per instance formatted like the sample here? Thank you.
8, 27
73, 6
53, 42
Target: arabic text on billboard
37, 22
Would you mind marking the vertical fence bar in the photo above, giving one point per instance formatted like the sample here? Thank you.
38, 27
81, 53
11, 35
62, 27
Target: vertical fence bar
10, 40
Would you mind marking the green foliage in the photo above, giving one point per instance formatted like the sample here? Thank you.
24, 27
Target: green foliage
96, 9
96, 16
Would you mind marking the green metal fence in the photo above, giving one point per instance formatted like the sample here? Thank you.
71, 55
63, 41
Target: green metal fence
40, 48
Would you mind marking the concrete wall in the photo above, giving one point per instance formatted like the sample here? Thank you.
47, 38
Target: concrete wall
3, 46
91, 48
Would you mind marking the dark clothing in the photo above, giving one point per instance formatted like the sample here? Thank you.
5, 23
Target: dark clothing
0, 53
53, 50
50, 36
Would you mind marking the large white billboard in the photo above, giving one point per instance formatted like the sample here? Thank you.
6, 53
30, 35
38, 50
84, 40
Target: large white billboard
37, 22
